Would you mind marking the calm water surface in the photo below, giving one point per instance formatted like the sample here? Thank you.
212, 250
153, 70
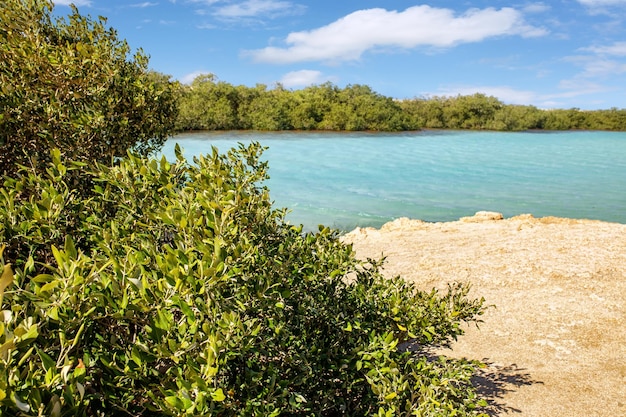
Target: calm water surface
346, 180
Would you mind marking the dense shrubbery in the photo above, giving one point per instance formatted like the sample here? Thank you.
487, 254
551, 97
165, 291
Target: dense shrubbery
208, 104
156, 288
176, 289
479, 111
71, 84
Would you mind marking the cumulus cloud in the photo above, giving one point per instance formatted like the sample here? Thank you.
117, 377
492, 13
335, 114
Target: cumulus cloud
372, 29
303, 78
255, 8
74, 2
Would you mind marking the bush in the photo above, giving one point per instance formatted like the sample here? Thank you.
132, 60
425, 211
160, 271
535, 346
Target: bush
72, 84
176, 289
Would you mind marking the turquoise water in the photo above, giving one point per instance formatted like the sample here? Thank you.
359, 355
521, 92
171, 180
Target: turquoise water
346, 180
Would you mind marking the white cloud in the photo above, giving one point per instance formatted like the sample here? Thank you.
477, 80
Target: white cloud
600, 63
577, 87
349, 37
74, 2
536, 8
188, 78
617, 49
207, 2
254, 8
603, 67
601, 3
599, 7
303, 78
206, 26
144, 4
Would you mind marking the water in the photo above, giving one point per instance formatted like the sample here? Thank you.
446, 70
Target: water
346, 180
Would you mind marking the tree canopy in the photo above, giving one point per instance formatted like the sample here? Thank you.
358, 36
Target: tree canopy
71, 83
210, 104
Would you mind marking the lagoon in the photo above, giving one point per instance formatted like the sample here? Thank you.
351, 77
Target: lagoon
345, 180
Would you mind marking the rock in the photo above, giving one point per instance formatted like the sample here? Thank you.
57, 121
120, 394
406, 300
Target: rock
402, 223
483, 216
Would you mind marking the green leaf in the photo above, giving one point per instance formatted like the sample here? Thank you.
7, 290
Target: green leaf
49, 286
391, 396
31, 334
135, 355
46, 360
5, 279
218, 395
53, 313
175, 402
58, 256
70, 249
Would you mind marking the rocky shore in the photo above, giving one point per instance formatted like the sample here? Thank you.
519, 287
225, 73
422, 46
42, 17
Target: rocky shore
555, 341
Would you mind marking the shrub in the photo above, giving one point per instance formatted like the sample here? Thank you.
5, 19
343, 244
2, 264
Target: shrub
72, 84
177, 289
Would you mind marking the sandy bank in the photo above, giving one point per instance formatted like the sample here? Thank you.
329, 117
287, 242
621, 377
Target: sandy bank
556, 340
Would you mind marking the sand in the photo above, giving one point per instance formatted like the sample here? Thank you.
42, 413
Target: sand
555, 342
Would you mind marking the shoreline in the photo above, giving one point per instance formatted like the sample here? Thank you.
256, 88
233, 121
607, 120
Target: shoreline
555, 343
480, 217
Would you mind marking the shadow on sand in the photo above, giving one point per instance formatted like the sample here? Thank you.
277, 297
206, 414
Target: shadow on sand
493, 381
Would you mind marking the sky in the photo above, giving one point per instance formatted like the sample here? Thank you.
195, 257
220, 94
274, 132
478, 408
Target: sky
551, 54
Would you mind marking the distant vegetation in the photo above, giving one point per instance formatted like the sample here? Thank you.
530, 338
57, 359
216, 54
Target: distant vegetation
209, 104
479, 112
143, 287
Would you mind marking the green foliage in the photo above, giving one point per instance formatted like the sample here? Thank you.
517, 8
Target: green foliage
479, 112
208, 104
176, 289
71, 84
476, 112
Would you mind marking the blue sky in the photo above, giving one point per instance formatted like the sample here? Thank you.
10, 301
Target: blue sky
557, 54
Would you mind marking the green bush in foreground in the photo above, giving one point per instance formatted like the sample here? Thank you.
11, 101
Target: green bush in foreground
71, 83
176, 289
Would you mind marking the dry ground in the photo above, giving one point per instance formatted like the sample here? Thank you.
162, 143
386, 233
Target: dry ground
555, 343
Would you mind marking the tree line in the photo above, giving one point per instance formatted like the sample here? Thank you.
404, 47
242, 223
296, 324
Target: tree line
210, 104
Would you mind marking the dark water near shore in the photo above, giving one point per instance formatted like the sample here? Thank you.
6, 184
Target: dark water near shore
346, 180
